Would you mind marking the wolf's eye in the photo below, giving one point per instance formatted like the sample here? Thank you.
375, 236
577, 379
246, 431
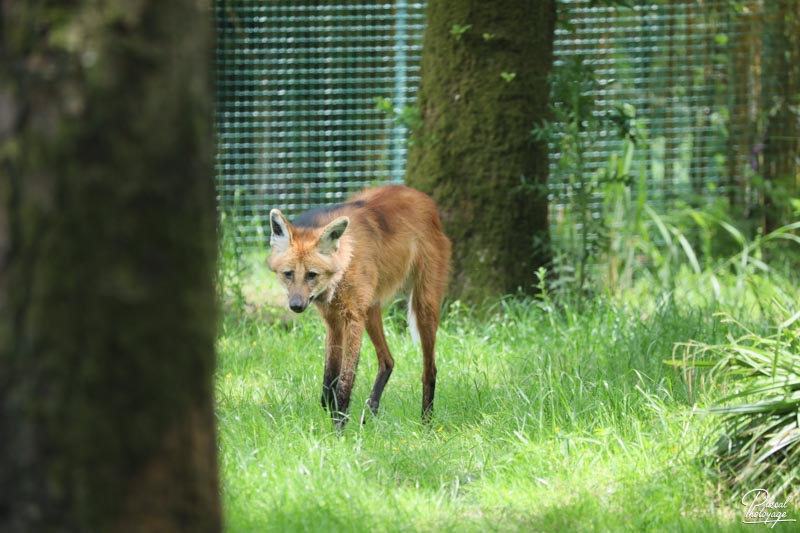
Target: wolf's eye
311, 276
289, 274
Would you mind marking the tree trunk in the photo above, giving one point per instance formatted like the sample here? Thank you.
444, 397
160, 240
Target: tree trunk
781, 162
107, 250
484, 86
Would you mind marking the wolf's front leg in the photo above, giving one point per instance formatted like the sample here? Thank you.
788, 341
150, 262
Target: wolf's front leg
333, 364
353, 332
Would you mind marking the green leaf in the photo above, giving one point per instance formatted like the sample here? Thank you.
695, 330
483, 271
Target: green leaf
458, 30
508, 76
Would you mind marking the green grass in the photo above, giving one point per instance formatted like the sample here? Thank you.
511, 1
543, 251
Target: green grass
545, 420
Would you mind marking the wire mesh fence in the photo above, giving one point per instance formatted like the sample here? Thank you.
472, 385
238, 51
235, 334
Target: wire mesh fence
299, 86
308, 94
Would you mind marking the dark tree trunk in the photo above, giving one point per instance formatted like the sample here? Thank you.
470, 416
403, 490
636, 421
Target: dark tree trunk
107, 250
481, 93
781, 163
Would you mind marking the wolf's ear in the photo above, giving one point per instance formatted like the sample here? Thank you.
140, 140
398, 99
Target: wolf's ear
281, 239
329, 240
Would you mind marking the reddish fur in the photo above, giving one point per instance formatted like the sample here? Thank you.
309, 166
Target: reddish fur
394, 242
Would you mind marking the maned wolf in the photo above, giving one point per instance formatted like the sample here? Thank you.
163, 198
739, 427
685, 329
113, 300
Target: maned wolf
351, 258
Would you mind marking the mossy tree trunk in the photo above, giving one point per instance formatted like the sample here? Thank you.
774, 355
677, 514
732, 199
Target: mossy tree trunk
484, 86
107, 251
782, 143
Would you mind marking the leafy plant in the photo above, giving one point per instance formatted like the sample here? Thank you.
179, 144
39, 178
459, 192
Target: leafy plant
406, 116
231, 267
508, 77
759, 442
711, 246
459, 30
595, 215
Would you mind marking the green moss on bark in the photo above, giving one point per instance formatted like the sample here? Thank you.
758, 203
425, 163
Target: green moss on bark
478, 160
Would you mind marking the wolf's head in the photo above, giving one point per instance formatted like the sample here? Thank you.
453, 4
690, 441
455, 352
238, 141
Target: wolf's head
309, 262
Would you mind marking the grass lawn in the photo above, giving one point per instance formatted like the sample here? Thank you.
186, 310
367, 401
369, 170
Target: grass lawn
545, 420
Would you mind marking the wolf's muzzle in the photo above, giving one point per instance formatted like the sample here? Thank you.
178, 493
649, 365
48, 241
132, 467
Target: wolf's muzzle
297, 304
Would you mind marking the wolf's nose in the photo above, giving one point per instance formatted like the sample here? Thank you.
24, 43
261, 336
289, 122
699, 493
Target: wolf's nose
297, 304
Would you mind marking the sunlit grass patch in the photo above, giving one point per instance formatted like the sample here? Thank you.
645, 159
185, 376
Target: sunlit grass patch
546, 419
